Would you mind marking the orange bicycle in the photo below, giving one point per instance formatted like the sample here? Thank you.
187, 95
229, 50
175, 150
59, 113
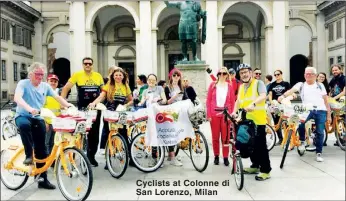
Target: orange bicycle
70, 162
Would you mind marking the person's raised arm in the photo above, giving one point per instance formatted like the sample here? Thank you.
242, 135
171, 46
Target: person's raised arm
340, 94
99, 99
294, 89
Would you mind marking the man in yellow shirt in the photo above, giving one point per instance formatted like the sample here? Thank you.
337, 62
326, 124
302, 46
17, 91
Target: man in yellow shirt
54, 106
88, 83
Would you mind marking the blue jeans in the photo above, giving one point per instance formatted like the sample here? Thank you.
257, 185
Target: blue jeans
320, 117
33, 134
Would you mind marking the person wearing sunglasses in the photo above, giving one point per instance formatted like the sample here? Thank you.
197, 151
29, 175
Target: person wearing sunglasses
257, 73
276, 89
30, 96
220, 95
235, 82
88, 83
174, 92
251, 97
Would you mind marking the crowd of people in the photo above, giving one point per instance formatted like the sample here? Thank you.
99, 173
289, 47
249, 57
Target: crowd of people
225, 91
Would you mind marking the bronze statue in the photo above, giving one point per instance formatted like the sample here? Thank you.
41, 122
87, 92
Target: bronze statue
190, 15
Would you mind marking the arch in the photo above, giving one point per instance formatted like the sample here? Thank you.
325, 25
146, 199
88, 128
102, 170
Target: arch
47, 32
298, 63
116, 56
169, 30
232, 45
93, 12
123, 19
156, 15
307, 23
240, 16
268, 18
166, 24
61, 68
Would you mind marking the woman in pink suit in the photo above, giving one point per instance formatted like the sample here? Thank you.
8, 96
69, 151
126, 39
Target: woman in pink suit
220, 95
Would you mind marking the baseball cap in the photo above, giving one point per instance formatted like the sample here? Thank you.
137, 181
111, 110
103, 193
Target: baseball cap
52, 76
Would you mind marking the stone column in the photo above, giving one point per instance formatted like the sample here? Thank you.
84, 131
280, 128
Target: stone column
280, 12
77, 27
322, 62
211, 44
37, 45
138, 49
88, 43
220, 47
269, 53
253, 53
163, 66
45, 54
315, 53
257, 44
154, 50
145, 64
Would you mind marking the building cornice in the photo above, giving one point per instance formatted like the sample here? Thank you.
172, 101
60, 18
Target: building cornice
23, 54
336, 47
23, 8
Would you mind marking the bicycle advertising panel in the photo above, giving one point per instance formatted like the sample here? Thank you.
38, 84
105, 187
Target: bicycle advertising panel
168, 125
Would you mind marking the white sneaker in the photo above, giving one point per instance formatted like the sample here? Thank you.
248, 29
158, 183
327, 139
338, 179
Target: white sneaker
175, 162
319, 157
102, 151
301, 146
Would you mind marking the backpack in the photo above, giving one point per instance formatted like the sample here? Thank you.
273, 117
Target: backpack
301, 89
245, 139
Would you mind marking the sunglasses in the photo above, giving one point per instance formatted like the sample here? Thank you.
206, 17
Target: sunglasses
258, 73
87, 64
223, 73
276, 75
185, 80
176, 75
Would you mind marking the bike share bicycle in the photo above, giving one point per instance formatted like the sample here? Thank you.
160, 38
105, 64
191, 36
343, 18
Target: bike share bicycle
66, 155
8, 127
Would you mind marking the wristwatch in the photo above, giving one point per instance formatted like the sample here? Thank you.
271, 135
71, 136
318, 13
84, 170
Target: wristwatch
254, 104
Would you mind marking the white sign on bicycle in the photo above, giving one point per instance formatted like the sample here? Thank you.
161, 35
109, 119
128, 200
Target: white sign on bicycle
168, 125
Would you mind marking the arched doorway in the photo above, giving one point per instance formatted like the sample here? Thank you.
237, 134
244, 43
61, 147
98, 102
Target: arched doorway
298, 63
61, 68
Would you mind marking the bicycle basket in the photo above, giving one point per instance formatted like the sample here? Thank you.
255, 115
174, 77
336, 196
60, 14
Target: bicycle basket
198, 118
140, 115
64, 124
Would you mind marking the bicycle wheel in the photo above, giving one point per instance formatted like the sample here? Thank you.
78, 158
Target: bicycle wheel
84, 149
238, 172
199, 146
271, 137
340, 133
74, 157
120, 154
8, 130
146, 158
12, 179
286, 148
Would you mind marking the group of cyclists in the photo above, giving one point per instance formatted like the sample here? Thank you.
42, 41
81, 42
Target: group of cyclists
225, 91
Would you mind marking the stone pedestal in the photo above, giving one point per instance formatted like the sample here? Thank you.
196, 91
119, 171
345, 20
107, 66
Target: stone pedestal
196, 75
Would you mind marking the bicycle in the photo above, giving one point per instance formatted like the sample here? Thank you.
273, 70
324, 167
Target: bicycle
337, 125
237, 166
64, 153
296, 115
156, 154
116, 146
9, 128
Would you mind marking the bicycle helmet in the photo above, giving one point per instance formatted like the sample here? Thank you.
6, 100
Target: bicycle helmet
231, 71
244, 66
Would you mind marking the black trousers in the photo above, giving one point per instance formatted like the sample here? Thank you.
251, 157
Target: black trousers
260, 154
93, 136
33, 134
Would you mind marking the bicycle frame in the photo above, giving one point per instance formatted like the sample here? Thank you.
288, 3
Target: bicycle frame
62, 141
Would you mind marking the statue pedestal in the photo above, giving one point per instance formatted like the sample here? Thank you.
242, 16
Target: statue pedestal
197, 76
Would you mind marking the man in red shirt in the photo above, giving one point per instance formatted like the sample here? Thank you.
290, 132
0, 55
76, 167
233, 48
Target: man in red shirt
235, 83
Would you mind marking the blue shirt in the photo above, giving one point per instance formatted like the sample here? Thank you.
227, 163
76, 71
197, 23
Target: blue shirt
33, 96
